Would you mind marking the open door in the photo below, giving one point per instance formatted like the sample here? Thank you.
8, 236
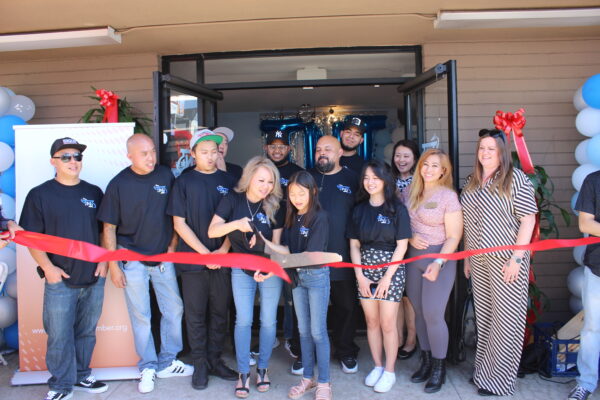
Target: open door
180, 108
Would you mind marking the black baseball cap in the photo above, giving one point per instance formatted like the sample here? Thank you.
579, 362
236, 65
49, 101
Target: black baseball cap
278, 135
355, 122
66, 143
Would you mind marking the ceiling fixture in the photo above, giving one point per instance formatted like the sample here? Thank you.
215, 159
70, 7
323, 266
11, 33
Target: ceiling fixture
517, 18
59, 39
311, 73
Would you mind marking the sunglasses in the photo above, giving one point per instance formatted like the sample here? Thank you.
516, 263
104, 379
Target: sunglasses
67, 157
495, 133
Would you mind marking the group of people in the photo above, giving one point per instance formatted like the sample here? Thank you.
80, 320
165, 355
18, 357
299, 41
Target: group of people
365, 211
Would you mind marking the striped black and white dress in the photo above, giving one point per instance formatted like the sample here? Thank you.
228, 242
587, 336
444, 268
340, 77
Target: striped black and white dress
492, 220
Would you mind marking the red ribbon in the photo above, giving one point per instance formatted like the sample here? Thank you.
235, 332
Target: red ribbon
110, 102
514, 122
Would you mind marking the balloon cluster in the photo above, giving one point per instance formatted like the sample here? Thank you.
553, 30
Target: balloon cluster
587, 101
14, 110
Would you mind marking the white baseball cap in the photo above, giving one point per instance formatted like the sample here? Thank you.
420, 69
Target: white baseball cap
225, 131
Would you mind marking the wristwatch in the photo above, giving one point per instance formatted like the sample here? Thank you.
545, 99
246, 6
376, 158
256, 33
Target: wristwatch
440, 261
519, 260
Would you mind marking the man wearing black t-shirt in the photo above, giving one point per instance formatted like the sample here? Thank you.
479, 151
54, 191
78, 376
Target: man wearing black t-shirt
233, 169
350, 138
337, 188
206, 289
74, 290
134, 215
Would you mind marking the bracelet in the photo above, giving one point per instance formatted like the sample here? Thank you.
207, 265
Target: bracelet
440, 261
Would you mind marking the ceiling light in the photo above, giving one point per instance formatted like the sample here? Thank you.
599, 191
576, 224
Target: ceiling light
517, 18
59, 39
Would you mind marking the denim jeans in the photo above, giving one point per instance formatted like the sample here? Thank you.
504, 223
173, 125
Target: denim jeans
589, 351
244, 291
311, 298
137, 295
70, 317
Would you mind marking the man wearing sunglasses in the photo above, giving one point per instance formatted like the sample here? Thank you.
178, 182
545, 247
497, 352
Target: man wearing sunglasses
66, 206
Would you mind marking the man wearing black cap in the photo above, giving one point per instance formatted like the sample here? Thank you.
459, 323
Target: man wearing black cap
74, 290
350, 138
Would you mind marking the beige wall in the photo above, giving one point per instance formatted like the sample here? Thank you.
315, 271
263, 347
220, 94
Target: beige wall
59, 87
541, 77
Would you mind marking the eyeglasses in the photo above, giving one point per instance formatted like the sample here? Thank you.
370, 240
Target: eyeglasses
280, 147
66, 157
493, 133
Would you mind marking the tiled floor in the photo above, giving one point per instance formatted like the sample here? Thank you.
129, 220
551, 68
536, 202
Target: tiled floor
346, 387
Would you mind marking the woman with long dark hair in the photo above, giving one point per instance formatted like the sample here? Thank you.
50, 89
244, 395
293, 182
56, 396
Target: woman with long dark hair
499, 209
378, 231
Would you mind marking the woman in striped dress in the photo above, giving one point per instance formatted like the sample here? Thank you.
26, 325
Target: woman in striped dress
499, 209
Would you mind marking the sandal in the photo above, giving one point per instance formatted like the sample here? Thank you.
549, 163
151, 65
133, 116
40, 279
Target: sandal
298, 391
262, 385
241, 392
323, 391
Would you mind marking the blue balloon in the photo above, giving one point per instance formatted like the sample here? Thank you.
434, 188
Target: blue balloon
7, 181
574, 202
593, 150
11, 335
7, 132
591, 91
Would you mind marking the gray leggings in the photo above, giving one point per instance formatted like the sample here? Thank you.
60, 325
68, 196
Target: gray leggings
429, 300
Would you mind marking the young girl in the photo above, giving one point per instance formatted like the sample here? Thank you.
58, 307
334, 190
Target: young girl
255, 200
379, 231
405, 156
307, 229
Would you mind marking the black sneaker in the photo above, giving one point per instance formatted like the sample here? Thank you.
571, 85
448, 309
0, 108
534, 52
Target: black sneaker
52, 395
579, 393
297, 367
91, 385
349, 365
291, 349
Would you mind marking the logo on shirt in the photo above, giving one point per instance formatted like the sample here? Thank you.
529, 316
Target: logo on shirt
344, 189
223, 190
304, 231
284, 181
160, 189
88, 203
382, 219
262, 218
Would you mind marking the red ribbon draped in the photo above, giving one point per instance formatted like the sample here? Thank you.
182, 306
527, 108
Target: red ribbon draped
514, 122
110, 102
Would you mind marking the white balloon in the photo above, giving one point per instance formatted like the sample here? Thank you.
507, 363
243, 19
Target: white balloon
387, 152
21, 106
575, 281
7, 156
575, 304
8, 311
9, 257
8, 90
8, 206
578, 100
10, 287
588, 121
578, 253
397, 134
581, 152
580, 173
4, 101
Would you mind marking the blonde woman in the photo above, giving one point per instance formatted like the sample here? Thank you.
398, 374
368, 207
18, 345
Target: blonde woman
436, 222
254, 201
499, 209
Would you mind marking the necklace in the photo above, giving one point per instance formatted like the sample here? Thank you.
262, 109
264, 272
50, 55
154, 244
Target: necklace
252, 214
299, 217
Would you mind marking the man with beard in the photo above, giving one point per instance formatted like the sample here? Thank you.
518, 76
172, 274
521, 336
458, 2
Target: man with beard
277, 148
337, 187
350, 138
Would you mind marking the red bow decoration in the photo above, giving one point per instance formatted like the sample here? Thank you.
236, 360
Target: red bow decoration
514, 122
110, 102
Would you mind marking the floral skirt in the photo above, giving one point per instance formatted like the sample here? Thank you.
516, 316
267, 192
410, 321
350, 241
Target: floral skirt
374, 257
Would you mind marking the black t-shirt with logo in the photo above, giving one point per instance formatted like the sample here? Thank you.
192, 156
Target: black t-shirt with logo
336, 195
234, 170
285, 173
354, 162
137, 205
195, 197
377, 229
68, 212
311, 236
589, 202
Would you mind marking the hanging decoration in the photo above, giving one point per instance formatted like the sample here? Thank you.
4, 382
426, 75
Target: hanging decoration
515, 122
109, 101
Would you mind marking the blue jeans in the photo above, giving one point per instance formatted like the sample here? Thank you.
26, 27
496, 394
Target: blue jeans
244, 291
70, 317
137, 295
589, 351
311, 298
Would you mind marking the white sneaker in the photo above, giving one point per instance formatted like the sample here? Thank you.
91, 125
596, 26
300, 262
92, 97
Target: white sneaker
177, 368
252, 360
373, 376
385, 383
146, 384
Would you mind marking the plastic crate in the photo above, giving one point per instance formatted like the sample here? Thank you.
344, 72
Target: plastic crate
563, 353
